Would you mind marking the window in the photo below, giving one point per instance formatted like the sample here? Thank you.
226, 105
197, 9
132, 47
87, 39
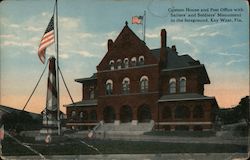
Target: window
91, 93
133, 61
125, 85
141, 60
182, 112
83, 115
172, 85
198, 112
126, 62
93, 115
109, 87
166, 113
183, 84
144, 84
73, 115
119, 64
112, 65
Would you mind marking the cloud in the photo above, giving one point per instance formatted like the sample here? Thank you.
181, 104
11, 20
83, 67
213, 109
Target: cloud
7, 36
239, 45
84, 53
205, 34
111, 35
211, 26
184, 39
235, 61
152, 35
64, 56
14, 26
86, 35
14, 43
33, 29
69, 23
228, 54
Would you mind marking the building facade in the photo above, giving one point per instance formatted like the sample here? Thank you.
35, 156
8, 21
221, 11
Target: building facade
135, 84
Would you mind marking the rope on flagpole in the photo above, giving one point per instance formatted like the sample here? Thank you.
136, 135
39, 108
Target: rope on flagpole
35, 87
66, 85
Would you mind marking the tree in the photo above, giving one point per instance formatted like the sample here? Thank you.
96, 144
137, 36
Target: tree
243, 109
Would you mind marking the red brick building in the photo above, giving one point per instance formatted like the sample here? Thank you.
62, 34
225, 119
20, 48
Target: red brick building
135, 84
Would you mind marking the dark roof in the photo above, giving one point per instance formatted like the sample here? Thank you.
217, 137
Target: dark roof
175, 60
183, 97
84, 103
82, 80
11, 110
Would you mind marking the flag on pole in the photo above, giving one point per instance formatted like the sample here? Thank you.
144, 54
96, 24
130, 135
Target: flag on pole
2, 132
137, 19
47, 39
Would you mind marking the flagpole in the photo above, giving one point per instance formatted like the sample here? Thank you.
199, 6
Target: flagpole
57, 74
144, 26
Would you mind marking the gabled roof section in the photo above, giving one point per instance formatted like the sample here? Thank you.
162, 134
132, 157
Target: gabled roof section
127, 42
181, 62
174, 60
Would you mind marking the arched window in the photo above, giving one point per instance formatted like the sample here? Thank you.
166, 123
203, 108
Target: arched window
126, 114
112, 65
198, 112
133, 61
183, 84
144, 114
83, 115
172, 85
93, 115
119, 64
91, 93
182, 112
109, 87
141, 60
125, 85
126, 63
109, 114
73, 115
166, 113
144, 84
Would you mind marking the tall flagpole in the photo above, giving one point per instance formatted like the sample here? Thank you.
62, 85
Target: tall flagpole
57, 74
144, 26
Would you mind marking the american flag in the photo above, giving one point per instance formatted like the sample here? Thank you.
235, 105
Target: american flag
47, 39
137, 19
2, 132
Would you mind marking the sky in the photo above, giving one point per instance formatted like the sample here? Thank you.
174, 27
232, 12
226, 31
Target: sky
86, 25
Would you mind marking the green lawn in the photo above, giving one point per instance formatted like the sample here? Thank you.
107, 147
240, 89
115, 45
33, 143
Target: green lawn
182, 133
75, 147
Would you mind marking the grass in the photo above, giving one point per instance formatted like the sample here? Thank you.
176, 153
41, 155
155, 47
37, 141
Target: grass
181, 133
75, 147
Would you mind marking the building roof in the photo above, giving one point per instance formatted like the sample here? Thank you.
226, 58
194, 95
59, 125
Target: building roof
183, 97
7, 110
180, 62
175, 60
82, 80
84, 103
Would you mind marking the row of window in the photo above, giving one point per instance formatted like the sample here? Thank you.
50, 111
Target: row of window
84, 115
126, 85
182, 83
126, 63
182, 112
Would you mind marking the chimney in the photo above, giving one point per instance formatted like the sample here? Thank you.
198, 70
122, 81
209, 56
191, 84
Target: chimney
163, 38
110, 44
174, 48
163, 50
